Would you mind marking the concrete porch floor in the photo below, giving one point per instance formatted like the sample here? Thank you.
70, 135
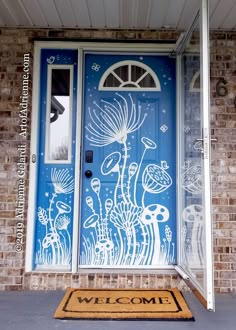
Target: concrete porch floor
33, 310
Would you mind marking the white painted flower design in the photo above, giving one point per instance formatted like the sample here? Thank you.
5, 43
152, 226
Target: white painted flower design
62, 181
62, 222
113, 122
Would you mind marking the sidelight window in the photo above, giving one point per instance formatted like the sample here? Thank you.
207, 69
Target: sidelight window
59, 94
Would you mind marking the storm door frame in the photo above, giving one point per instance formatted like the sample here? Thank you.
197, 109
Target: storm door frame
204, 291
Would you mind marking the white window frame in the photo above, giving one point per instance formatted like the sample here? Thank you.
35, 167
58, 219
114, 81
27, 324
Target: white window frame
130, 63
47, 158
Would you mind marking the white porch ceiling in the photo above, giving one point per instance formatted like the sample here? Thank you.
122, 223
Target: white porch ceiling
113, 14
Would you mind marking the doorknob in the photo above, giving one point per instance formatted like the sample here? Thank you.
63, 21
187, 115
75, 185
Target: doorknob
88, 174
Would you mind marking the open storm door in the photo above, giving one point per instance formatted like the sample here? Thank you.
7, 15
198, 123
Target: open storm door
195, 232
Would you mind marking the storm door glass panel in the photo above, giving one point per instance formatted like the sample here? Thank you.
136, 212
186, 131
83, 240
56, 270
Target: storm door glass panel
195, 257
191, 176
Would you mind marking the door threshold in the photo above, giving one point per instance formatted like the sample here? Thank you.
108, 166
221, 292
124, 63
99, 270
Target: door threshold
162, 271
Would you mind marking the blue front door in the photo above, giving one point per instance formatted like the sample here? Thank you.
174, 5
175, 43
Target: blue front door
128, 201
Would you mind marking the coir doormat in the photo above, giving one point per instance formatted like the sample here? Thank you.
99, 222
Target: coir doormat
123, 304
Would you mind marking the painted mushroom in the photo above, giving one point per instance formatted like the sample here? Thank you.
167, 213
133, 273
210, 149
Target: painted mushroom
104, 245
155, 213
49, 239
193, 218
151, 215
193, 213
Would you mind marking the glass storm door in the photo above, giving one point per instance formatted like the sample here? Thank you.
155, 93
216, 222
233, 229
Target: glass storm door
55, 160
195, 236
128, 202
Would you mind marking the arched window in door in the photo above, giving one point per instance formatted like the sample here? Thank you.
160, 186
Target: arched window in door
129, 75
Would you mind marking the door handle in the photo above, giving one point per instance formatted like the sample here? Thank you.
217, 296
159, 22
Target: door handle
88, 174
212, 140
198, 145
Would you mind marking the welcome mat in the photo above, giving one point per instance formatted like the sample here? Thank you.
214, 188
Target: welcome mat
123, 304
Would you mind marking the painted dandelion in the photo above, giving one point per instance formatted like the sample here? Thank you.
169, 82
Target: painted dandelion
126, 216
62, 181
112, 123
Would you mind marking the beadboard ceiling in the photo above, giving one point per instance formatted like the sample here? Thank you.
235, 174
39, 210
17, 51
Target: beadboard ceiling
113, 14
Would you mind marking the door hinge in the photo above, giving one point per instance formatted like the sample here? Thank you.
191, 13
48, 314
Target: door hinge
182, 273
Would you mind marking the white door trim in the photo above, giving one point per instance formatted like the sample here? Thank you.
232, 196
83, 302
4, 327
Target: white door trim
133, 48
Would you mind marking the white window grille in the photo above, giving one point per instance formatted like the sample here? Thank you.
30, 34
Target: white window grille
129, 75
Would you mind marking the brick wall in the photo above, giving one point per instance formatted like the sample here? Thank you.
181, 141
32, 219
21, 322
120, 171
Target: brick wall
14, 43
223, 115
